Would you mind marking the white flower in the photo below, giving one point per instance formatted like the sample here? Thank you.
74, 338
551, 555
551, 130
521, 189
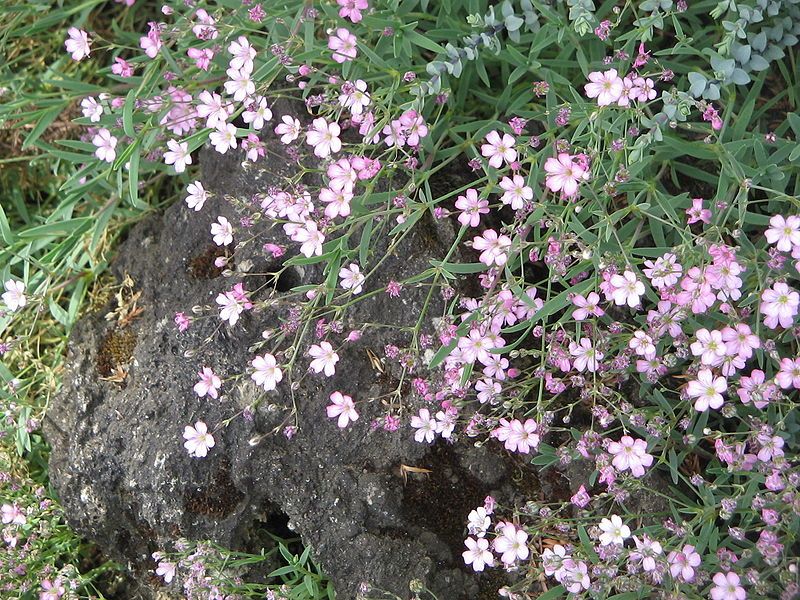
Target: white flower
478, 554
224, 138
289, 130
614, 531
14, 296
512, 544
77, 44
342, 407
197, 196
478, 522
214, 109
324, 137
257, 113
91, 108
178, 155
425, 426
222, 232
240, 84
243, 54
352, 278
266, 374
198, 440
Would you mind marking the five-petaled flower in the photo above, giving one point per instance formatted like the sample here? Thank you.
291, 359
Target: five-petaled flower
266, 372
324, 358
342, 406
198, 439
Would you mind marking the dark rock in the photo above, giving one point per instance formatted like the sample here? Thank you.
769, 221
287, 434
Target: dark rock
118, 460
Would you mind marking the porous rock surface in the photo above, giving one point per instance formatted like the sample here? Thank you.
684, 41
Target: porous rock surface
127, 483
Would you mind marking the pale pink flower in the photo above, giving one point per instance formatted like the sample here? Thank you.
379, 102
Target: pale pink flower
197, 196
214, 109
337, 202
784, 232
516, 192
222, 231
627, 289
586, 306
92, 109
740, 340
614, 531
707, 390
647, 550
478, 522
77, 44
630, 454
493, 247
208, 385
223, 138
664, 272
343, 407
202, 57
696, 213
606, 87
14, 296
642, 344
726, 587
13, 515
289, 129
231, 307
564, 174
478, 554
357, 99
52, 590
324, 137
166, 570
586, 356
240, 84
325, 358
266, 372
352, 278
205, 29
518, 436
788, 374
105, 145
498, 149
709, 346
343, 44
779, 305
243, 54
472, 208
122, 67
511, 544
151, 43
425, 426
178, 155
575, 576
198, 440
257, 113
310, 238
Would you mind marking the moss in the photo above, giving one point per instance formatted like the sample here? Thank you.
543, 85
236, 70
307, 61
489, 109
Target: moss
116, 350
202, 266
216, 500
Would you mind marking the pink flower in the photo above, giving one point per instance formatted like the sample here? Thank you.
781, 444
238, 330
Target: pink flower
337, 202
740, 340
518, 436
630, 454
166, 570
14, 296
351, 9
626, 289
564, 174
342, 407
105, 145
754, 388
178, 155
642, 344
343, 44
664, 272
586, 356
310, 238
478, 554
197, 196
78, 44
202, 57
325, 358
222, 231
697, 213
198, 440
784, 232
707, 389
498, 149
121, 67
606, 87
726, 587
512, 544
779, 305
709, 347
493, 247
425, 426
208, 385
586, 306
356, 98
682, 564
52, 590
151, 43
352, 278
240, 84
266, 373
647, 550
472, 208
92, 109
516, 192
324, 137
789, 373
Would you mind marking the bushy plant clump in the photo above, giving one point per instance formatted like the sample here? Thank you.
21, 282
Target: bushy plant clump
623, 288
